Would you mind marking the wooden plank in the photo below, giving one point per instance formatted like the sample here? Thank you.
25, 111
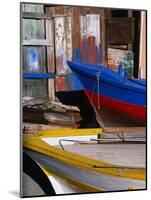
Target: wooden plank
34, 59
103, 35
35, 115
76, 27
51, 89
49, 10
50, 55
67, 107
32, 15
73, 132
119, 20
57, 117
59, 10
35, 88
63, 48
120, 30
38, 75
33, 29
90, 39
34, 128
124, 129
50, 50
121, 154
65, 15
91, 10
142, 54
61, 83
37, 42
36, 8
60, 45
68, 36
130, 14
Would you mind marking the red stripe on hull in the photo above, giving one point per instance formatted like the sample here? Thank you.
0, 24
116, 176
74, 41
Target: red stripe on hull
137, 112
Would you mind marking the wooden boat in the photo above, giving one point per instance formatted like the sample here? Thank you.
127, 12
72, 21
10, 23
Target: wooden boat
84, 165
107, 88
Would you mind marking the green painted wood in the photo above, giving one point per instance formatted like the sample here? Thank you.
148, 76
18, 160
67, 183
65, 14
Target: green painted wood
28, 7
33, 29
35, 88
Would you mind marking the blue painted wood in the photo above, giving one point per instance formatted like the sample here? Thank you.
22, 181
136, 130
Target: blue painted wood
74, 84
101, 60
111, 84
139, 81
77, 55
38, 75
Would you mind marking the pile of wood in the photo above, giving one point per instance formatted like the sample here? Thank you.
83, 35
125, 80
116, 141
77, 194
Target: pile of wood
41, 115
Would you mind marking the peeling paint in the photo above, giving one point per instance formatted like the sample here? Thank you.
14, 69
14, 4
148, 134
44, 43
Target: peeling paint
63, 43
61, 83
91, 48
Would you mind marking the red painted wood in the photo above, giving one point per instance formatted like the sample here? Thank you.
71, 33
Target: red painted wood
137, 112
61, 83
59, 64
91, 50
84, 49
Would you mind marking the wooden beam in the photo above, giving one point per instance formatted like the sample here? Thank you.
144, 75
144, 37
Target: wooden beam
124, 129
102, 31
76, 40
50, 50
39, 16
68, 15
37, 42
38, 75
37, 128
51, 89
142, 54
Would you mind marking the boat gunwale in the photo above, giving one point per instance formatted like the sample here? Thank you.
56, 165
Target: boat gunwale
139, 89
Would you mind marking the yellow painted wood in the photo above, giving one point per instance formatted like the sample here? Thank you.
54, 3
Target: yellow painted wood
69, 132
36, 144
47, 172
133, 188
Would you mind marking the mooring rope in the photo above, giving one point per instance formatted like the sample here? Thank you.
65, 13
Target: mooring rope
98, 87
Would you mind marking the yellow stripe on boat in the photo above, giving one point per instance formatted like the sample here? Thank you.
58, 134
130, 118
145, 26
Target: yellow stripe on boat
69, 132
35, 143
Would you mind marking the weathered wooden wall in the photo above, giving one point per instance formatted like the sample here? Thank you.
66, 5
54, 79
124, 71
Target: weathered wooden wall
78, 37
87, 36
90, 39
34, 58
61, 17
77, 33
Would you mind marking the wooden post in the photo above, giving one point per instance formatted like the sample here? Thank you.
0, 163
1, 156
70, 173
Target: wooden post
142, 54
130, 46
102, 31
50, 56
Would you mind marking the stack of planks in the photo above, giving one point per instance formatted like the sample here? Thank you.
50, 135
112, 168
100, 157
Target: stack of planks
42, 115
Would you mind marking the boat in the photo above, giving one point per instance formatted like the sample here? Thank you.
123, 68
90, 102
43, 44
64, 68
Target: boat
77, 161
107, 88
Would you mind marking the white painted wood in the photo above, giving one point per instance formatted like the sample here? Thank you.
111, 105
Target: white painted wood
142, 54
